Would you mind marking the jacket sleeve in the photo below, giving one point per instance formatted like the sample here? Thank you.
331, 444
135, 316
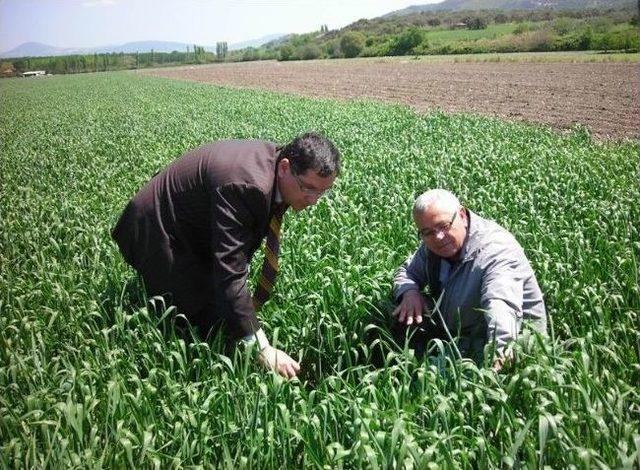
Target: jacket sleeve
238, 211
411, 275
501, 297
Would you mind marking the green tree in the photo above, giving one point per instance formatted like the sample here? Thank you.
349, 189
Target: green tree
221, 50
500, 18
332, 48
286, 52
251, 53
584, 42
310, 52
406, 42
475, 22
352, 43
563, 26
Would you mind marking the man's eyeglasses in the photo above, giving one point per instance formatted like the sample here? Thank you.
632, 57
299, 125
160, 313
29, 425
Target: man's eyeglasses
443, 228
310, 191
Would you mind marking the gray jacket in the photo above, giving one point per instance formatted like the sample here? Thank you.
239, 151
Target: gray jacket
489, 292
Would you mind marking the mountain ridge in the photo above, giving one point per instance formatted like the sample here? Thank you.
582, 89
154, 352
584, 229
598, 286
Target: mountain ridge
458, 5
38, 49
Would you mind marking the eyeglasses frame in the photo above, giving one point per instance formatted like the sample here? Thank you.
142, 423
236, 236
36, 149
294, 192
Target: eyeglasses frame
309, 191
444, 228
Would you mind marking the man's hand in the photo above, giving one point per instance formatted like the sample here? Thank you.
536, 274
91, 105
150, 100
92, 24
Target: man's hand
279, 361
502, 360
410, 309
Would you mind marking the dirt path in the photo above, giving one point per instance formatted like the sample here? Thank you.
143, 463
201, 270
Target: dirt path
601, 96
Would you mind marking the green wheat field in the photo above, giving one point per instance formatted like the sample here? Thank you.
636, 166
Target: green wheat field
92, 377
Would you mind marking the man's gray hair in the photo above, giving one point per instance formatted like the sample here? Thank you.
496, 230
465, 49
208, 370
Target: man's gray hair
442, 198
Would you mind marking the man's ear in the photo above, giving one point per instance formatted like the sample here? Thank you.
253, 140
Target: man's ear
283, 166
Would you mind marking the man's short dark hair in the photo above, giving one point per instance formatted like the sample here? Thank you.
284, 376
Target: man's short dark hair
312, 151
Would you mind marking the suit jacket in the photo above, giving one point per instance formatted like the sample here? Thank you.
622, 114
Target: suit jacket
213, 204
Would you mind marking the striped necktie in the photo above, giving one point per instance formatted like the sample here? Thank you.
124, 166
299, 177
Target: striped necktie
270, 264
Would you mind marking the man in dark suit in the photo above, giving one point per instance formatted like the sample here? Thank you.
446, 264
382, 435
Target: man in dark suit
192, 230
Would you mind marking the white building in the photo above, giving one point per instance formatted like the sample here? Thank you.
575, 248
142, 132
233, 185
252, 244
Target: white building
34, 73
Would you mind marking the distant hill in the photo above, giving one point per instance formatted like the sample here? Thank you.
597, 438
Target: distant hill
145, 46
32, 49
36, 49
255, 42
458, 5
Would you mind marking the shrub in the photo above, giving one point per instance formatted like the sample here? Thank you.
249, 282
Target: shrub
310, 52
522, 28
579, 41
617, 41
406, 42
251, 53
352, 43
500, 18
563, 26
332, 49
286, 52
475, 23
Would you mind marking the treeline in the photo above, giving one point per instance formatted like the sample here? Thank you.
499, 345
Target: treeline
114, 61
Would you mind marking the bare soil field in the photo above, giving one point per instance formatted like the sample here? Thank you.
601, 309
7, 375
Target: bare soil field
601, 96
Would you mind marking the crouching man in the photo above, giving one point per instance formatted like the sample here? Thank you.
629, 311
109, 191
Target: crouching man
478, 273
193, 229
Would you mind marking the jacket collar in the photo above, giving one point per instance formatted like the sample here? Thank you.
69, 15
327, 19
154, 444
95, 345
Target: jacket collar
472, 243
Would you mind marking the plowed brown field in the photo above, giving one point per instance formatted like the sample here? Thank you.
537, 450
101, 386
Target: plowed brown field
601, 96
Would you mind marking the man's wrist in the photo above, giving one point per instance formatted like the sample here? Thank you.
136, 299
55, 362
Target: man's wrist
258, 337
410, 290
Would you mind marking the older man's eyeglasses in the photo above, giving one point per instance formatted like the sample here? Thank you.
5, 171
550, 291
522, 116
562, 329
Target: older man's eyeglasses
310, 191
443, 228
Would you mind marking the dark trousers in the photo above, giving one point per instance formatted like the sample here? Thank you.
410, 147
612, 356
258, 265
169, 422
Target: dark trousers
183, 281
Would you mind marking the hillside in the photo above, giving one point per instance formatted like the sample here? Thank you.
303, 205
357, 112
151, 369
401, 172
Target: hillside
458, 5
613, 26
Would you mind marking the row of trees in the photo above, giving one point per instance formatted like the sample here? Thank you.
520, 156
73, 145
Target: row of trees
221, 50
113, 61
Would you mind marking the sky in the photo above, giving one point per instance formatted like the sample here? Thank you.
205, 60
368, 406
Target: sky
93, 23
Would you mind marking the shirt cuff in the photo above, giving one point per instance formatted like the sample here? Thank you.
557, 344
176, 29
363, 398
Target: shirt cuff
258, 337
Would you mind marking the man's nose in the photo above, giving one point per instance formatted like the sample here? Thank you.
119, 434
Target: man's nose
439, 235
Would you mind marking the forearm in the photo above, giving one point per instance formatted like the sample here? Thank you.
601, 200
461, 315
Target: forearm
503, 322
259, 338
